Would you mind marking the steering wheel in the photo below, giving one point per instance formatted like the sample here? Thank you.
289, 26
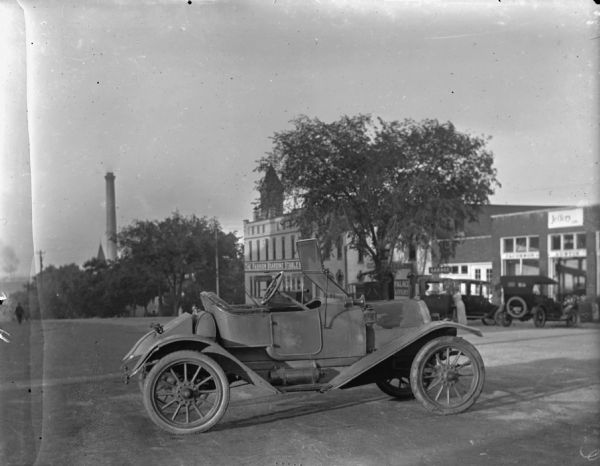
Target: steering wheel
272, 288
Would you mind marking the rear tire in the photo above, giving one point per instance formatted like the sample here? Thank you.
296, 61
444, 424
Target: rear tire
398, 387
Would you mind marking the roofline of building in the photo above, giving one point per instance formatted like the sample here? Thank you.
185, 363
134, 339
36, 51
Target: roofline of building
462, 238
546, 209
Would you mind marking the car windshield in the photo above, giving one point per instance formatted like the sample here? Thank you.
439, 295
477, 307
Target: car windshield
312, 266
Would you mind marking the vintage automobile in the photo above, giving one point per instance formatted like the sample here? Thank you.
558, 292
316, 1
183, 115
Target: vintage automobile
527, 297
436, 292
187, 367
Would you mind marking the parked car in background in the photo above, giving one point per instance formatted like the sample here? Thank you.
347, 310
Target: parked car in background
529, 297
437, 294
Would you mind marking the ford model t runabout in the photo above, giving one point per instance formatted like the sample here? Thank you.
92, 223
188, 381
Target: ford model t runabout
187, 367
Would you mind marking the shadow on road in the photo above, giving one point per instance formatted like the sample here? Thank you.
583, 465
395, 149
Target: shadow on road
506, 387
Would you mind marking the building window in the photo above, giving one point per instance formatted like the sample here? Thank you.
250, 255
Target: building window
568, 242
257, 250
454, 269
293, 246
274, 248
339, 248
477, 274
530, 267
581, 241
520, 255
464, 269
250, 251
534, 243
488, 275
512, 266
266, 249
283, 247
521, 244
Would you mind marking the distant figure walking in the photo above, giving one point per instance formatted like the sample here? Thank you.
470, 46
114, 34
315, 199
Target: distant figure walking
19, 312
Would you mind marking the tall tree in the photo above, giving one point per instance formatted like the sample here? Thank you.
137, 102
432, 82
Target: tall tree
182, 251
387, 184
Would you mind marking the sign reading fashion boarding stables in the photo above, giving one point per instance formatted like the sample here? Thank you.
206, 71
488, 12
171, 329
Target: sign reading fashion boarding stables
269, 266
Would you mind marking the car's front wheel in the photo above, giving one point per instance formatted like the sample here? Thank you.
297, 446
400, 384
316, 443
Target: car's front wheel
539, 317
501, 317
573, 319
186, 392
447, 375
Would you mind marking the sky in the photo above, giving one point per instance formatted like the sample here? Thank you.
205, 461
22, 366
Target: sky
180, 99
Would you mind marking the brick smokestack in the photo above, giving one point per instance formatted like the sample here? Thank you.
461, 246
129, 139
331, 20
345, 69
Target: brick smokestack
111, 218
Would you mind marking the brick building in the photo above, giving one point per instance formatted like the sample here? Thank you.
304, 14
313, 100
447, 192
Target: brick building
561, 243
474, 254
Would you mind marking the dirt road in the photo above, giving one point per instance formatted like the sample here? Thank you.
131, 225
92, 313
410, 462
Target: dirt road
62, 402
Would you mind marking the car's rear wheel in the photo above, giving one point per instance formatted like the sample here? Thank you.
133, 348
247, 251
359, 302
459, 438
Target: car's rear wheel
186, 392
396, 386
447, 375
502, 318
516, 307
539, 316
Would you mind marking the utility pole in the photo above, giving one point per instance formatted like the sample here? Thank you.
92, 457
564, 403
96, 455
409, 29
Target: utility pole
217, 257
41, 253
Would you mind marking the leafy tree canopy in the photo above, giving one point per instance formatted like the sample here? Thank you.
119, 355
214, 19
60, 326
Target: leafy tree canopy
387, 184
179, 249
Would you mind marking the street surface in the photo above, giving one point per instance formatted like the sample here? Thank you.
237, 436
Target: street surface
63, 403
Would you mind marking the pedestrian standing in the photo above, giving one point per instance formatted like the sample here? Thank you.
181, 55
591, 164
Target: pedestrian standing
19, 312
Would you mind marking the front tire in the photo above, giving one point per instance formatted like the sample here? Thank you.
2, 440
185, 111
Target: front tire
447, 375
573, 319
186, 392
539, 317
502, 318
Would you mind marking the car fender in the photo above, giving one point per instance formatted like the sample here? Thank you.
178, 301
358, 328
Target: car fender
229, 363
350, 376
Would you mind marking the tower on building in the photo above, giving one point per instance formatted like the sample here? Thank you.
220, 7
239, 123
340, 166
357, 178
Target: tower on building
271, 195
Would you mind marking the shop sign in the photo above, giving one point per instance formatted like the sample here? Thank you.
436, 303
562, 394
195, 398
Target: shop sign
401, 287
565, 218
269, 266
440, 269
521, 255
568, 253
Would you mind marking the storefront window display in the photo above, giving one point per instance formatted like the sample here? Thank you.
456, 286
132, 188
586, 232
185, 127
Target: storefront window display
568, 262
520, 255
